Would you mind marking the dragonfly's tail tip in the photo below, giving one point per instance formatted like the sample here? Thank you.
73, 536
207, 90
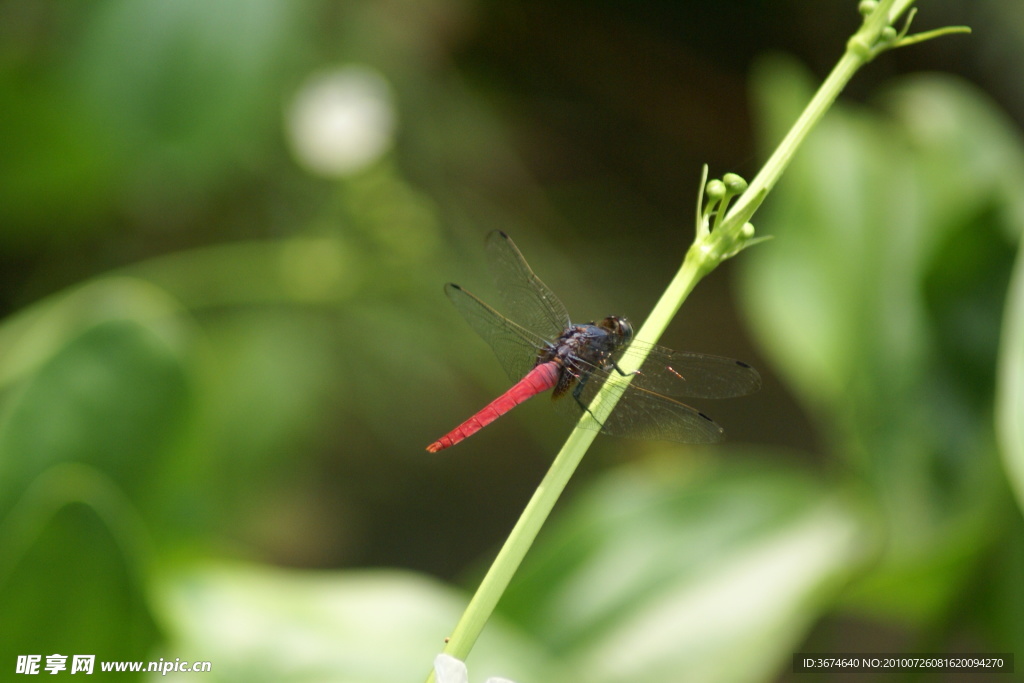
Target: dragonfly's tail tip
435, 447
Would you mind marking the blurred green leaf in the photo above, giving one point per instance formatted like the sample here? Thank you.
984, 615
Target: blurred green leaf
185, 88
56, 172
1010, 413
1002, 592
880, 305
261, 624
657, 570
97, 391
73, 562
272, 375
34, 335
112, 394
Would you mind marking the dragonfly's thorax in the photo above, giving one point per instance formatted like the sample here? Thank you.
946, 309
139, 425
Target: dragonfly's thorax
581, 349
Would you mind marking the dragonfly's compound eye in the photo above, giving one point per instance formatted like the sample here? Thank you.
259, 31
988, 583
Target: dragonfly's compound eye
618, 326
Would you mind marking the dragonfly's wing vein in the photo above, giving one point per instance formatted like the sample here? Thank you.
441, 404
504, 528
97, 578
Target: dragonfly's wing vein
527, 299
515, 346
646, 415
642, 414
694, 375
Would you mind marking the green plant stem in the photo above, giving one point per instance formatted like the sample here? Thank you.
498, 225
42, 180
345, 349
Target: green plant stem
857, 54
708, 250
518, 543
772, 170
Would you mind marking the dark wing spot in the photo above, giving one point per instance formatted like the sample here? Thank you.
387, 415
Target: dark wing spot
742, 364
705, 417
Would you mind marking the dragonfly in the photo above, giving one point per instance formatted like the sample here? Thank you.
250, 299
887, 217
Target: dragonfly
541, 349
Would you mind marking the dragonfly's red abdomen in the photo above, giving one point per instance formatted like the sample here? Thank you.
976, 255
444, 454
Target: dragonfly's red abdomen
541, 378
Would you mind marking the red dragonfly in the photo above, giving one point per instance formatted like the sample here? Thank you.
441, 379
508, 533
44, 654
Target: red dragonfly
542, 349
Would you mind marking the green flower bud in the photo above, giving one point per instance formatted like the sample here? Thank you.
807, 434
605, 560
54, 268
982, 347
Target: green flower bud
715, 191
734, 183
866, 7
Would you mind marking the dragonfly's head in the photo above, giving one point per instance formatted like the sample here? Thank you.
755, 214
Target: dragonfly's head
618, 326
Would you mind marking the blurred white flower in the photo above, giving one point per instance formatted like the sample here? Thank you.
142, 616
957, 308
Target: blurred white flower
341, 120
447, 669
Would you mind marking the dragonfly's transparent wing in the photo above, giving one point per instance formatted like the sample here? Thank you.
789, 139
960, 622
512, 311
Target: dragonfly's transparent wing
695, 375
642, 414
515, 347
527, 299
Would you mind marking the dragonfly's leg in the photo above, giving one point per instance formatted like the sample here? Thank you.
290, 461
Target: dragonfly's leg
578, 392
621, 372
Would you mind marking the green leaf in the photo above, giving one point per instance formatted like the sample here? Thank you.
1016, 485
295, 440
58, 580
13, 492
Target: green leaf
1010, 409
188, 84
113, 396
880, 304
658, 570
287, 626
96, 392
73, 561
58, 171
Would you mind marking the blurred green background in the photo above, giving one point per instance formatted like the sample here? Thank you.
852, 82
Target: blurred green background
224, 229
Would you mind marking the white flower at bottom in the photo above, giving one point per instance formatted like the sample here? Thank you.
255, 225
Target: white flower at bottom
448, 669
